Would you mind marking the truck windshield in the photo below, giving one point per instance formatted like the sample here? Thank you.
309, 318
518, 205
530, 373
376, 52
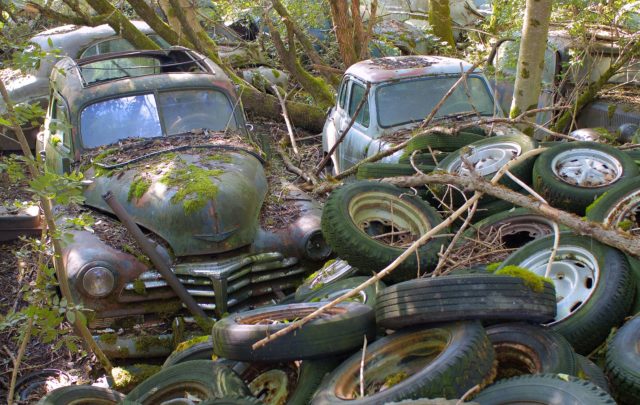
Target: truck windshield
406, 101
151, 115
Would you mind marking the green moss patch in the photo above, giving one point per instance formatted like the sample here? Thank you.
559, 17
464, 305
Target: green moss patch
195, 186
127, 377
143, 343
625, 225
492, 267
530, 279
395, 379
139, 287
187, 344
108, 338
139, 186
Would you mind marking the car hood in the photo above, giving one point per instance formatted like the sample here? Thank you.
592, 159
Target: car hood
203, 200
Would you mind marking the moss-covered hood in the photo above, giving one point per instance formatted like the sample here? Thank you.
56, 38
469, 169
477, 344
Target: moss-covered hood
201, 201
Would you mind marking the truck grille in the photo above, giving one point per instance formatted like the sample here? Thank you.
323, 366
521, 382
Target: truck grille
219, 285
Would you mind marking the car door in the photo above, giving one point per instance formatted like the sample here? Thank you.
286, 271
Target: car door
58, 145
355, 145
333, 124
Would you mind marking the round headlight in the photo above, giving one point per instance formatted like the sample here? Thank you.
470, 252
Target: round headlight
98, 281
316, 248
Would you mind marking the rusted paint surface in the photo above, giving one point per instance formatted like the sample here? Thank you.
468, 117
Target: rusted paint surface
402, 67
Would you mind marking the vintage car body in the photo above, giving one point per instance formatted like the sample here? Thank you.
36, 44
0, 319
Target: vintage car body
82, 42
201, 196
599, 52
402, 92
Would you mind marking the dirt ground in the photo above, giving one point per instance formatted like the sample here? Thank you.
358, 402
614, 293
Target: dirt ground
18, 273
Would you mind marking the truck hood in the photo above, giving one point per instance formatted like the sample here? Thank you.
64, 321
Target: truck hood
202, 200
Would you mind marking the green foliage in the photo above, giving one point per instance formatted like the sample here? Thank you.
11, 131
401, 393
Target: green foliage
14, 167
27, 113
127, 377
63, 189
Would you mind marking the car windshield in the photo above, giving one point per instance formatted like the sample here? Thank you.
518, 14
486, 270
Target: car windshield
407, 101
151, 115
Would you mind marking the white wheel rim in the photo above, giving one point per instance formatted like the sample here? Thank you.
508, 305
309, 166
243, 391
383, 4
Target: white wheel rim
587, 168
575, 274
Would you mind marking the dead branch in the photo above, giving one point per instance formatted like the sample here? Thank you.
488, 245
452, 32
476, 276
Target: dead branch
621, 240
292, 136
308, 177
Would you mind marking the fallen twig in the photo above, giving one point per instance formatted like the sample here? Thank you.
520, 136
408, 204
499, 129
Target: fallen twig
308, 177
283, 105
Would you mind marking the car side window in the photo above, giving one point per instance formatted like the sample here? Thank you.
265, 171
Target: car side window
59, 124
357, 92
342, 94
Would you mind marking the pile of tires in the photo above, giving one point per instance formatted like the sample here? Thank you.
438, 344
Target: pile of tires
597, 287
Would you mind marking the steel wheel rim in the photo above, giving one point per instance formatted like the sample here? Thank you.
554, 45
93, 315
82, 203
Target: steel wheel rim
377, 214
587, 168
423, 348
486, 159
628, 208
361, 297
575, 274
330, 273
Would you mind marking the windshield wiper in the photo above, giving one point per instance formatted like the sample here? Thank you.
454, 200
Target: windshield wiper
455, 116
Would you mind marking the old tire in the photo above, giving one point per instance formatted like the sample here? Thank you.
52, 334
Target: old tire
424, 158
441, 142
619, 207
334, 271
463, 297
203, 379
382, 170
593, 280
530, 349
81, 395
490, 154
443, 361
517, 227
197, 351
355, 213
332, 291
544, 389
302, 379
339, 332
623, 362
590, 371
571, 175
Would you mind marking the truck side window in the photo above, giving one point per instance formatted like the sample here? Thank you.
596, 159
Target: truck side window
357, 92
342, 93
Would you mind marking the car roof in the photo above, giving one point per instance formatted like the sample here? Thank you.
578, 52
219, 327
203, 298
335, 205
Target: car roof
67, 80
73, 38
401, 67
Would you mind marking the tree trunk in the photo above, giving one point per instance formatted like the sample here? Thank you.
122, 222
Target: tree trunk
352, 36
121, 25
440, 20
531, 58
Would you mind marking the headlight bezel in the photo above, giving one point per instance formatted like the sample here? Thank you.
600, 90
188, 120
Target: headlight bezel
105, 273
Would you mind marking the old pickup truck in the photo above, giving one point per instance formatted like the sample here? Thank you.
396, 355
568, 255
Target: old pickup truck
163, 131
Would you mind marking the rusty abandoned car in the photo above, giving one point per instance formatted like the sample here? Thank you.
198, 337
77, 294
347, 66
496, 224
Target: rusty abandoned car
163, 133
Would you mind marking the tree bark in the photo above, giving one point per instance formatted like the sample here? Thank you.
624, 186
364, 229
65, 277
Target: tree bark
531, 58
352, 36
440, 20
148, 14
321, 92
121, 25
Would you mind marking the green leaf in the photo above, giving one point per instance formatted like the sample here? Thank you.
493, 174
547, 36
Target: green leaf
71, 316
